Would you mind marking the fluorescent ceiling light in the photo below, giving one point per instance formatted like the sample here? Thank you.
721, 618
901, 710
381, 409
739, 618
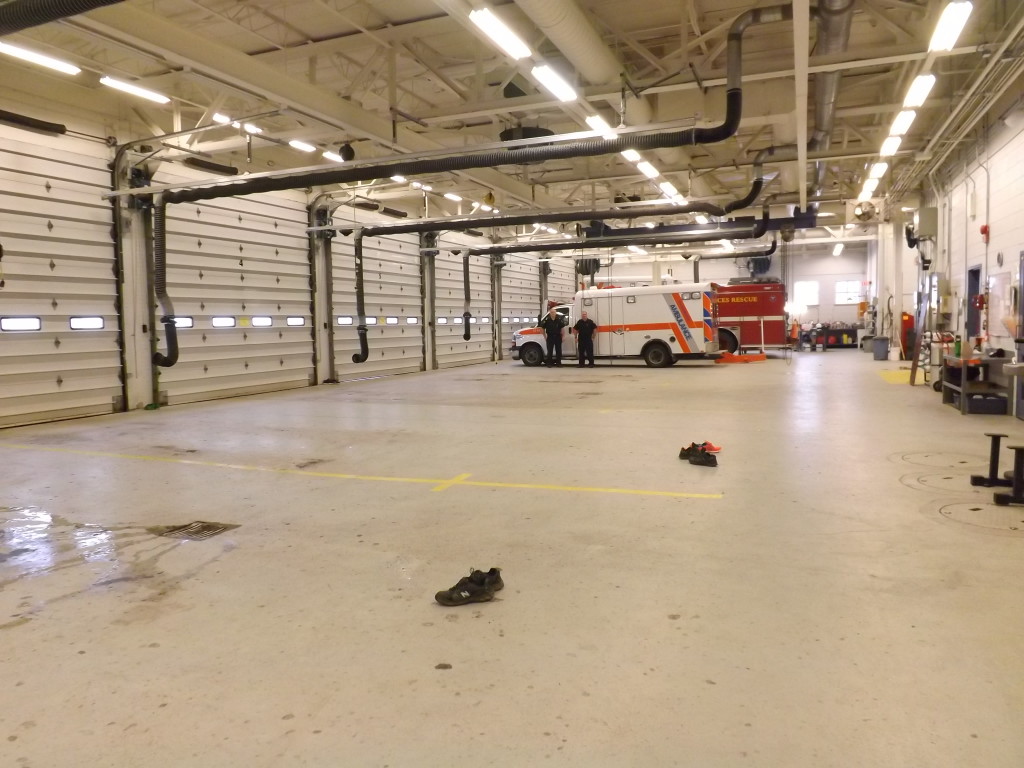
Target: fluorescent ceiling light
631, 154
902, 121
302, 146
250, 128
500, 34
950, 25
679, 199
727, 245
567, 236
863, 197
485, 208
426, 188
637, 250
399, 179
598, 124
40, 59
554, 83
495, 210
870, 185
334, 156
135, 90
919, 90
889, 146
647, 170
453, 197
669, 189
222, 119
877, 171
838, 249
649, 225
700, 218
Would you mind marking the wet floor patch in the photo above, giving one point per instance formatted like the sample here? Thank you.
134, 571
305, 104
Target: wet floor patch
194, 531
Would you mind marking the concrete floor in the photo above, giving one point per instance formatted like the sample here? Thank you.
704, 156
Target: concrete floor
833, 594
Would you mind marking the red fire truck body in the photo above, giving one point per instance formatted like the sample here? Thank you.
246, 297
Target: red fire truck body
751, 316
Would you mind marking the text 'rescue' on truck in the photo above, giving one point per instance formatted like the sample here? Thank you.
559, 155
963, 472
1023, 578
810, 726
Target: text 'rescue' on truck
660, 324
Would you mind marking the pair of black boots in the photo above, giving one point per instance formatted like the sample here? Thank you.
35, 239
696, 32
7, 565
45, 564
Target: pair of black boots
478, 587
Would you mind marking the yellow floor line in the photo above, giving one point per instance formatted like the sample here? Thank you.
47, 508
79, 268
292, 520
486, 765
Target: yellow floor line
440, 484
898, 377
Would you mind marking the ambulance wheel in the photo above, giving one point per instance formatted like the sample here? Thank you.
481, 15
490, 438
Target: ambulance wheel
657, 355
531, 355
727, 341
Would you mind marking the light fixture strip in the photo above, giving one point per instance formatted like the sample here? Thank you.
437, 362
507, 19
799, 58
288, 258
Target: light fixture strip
37, 58
902, 122
648, 170
918, 91
302, 146
889, 146
951, 24
554, 83
500, 34
878, 170
598, 124
134, 90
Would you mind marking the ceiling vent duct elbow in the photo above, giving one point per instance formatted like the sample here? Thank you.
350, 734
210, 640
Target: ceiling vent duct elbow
25, 14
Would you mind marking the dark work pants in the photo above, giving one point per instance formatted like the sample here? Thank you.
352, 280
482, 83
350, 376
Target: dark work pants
554, 348
586, 349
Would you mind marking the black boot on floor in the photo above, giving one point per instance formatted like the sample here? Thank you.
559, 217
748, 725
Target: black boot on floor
704, 459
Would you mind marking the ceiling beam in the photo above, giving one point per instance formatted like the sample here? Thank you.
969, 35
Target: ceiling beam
801, 52
217, 62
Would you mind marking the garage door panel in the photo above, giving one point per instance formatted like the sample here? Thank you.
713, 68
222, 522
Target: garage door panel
449, 292
238, 258
520, 298
58, 263
391, 288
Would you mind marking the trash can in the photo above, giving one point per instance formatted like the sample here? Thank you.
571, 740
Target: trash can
880, 347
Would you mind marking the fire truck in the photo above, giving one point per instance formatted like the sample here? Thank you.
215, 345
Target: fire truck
660, 324
751, 315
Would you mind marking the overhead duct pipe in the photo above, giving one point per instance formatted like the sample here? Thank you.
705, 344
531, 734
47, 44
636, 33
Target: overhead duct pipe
834, 21
25, 14
584, 148
738, 233
463, 223
569, 28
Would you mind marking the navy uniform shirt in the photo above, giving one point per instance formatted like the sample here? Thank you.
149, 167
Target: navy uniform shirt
585, 328
553, 325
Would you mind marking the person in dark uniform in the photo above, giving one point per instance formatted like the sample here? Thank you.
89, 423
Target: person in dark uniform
553, 325
584, 331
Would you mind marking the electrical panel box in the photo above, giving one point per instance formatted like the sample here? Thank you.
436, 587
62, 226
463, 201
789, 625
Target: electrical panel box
926, 223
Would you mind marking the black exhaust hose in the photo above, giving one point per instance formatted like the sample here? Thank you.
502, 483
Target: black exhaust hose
31, 123
758, 184
739, 233
583, 148
160, 285
465, 298
364, 345
24, 14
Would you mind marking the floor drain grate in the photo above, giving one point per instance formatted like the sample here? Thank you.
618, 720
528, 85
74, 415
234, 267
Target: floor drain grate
196, 531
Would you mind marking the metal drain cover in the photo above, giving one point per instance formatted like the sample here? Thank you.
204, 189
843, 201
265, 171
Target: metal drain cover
948, 482
196, 531
950, 460
987, 515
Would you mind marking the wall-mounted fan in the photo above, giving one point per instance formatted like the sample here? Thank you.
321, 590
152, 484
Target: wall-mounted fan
865, 210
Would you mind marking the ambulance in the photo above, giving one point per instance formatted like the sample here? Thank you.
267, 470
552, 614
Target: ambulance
752, 315
660, 324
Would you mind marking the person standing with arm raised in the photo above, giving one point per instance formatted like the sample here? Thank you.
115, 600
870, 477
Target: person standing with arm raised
554, 326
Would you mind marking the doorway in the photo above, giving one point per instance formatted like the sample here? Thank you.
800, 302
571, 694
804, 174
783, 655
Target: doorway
973, 327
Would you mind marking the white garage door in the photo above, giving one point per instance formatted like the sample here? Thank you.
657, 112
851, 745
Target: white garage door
59, 335
520, 297
393, 302
563, 280
239, 276
449, 297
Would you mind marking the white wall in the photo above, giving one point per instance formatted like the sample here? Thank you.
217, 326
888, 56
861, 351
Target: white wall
987, 190
827, 271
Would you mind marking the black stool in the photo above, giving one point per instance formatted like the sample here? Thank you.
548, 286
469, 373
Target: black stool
1016, 494
993, 466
